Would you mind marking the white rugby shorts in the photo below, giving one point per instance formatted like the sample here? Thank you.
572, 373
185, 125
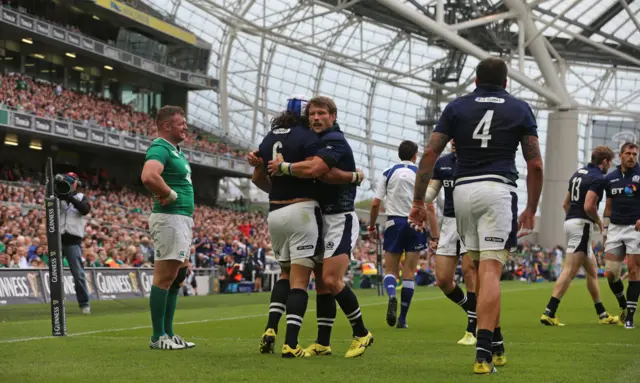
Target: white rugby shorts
578, 232
449, 242
486, 215
623, 235
340, 232
295, 231
172, 236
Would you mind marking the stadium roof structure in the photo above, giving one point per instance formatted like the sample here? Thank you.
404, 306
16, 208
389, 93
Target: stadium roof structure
391, 63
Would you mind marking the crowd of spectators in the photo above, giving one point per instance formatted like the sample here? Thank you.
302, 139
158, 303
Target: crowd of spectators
117, 228
24, 94
235, 242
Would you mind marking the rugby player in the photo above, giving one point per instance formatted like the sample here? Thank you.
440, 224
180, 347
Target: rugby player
340, 224
586, 188
396, 188
295, 221
621, 226
450, 248
167, 174
487, 125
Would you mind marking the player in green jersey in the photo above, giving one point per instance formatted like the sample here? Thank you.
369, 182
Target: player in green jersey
167, 175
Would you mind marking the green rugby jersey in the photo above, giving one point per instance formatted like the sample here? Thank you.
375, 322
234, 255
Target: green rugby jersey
177, 175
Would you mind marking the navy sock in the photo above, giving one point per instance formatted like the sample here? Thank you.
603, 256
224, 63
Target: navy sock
296, 307
279, 296
497, 345
552, 307
389, 283
617, 288
484, 345
326, 312
457, 297
472, 317
349, 304
633, 291
405, 299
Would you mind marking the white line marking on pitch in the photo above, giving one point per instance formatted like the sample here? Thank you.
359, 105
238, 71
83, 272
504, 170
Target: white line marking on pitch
18, 340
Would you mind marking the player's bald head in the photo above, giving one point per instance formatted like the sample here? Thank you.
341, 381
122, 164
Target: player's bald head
492, 71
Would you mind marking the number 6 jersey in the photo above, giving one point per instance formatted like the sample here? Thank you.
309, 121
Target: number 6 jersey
295, 144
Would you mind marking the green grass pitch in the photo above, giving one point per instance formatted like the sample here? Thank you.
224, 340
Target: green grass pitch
111, 345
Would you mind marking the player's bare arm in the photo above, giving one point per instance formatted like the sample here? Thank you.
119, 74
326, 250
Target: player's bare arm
315, 167
531, 154
152, 179
336, 176
432, 220
373, 218
591, 208
260, 178
566, 203
606, 218
435, 146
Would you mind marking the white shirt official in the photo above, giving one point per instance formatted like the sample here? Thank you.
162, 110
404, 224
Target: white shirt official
396, 188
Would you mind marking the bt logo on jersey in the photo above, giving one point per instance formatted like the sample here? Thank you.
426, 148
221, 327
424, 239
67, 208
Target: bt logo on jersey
629, 190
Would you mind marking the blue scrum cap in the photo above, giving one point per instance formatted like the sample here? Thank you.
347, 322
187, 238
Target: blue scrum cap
296, 104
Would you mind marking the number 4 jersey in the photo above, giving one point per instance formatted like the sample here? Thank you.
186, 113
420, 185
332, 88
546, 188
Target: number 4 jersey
295, 144
588, 178
176, 174
487, 126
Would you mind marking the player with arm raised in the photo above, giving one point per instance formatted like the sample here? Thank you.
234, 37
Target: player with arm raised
396, 188
622, 235
167, 174
340, 224
487, 125
450, 248
586, 188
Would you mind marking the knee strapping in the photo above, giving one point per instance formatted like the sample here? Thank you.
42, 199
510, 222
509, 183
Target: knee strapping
182, 274
613, 268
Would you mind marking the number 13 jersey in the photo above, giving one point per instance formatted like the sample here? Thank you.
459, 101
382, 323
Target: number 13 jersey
588, 178
487, 126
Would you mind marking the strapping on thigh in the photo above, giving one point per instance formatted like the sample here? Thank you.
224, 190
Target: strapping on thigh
498, 255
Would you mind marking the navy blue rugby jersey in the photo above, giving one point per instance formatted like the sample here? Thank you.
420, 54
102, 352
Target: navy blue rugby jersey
624, 191
443, 171
487, 126
295, 144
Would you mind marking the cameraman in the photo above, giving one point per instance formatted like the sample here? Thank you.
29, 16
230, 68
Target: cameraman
73, 207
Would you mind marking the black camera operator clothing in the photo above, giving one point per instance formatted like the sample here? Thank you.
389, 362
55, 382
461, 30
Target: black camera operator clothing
73, 207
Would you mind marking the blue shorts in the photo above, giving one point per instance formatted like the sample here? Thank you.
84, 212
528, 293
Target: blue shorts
399, 236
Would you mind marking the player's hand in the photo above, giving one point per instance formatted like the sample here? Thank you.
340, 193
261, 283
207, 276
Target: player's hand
417, 216
433, 244
254, 160
274, 165
526, 222
601, 225
168, 199
638, 225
